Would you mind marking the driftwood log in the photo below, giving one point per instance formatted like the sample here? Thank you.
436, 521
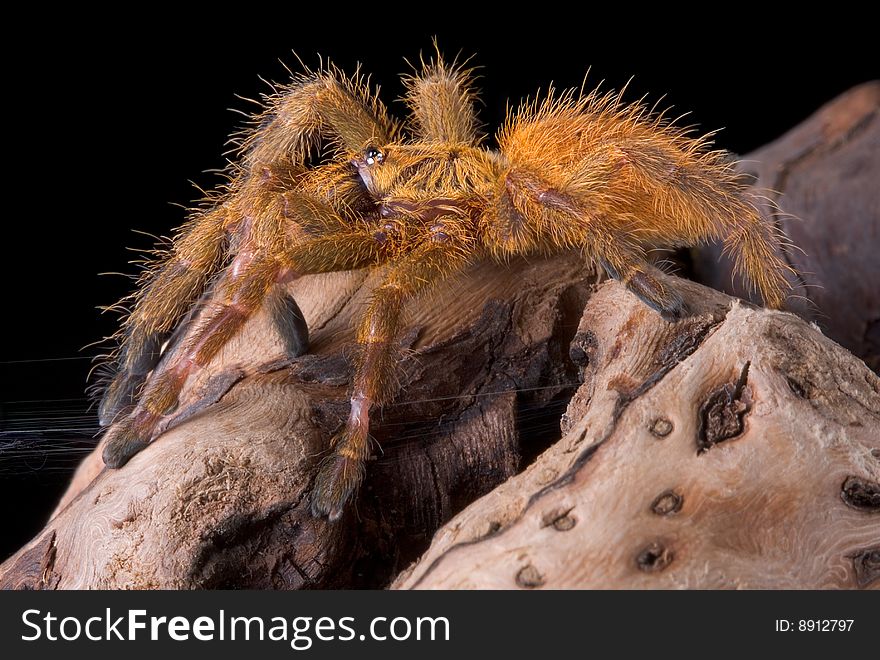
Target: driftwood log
737, 447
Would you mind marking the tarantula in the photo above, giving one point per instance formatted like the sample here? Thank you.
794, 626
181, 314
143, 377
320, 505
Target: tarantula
422, 199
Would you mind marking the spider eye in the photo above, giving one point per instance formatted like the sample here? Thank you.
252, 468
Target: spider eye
372, 155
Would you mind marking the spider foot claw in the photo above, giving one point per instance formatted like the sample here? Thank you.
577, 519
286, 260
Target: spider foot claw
119, 397
291, 325
658, 296
338, 480
674, 308
124, 441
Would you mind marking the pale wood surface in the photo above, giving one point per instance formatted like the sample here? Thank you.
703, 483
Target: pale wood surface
738, 449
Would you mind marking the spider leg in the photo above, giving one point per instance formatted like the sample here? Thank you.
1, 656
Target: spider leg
531, 215
289, 322
634, 271
165, 298
341, 473
753, 243
321, 105
242, 290
441, 99
703, 199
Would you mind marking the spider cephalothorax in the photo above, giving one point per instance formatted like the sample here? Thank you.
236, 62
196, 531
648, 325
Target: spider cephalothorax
421, 200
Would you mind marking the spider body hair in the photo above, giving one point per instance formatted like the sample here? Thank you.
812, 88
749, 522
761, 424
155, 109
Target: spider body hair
422, 200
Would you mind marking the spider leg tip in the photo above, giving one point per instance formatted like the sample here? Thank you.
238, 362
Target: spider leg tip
119, 397
338, 480
676, 309
122, 443
674, 316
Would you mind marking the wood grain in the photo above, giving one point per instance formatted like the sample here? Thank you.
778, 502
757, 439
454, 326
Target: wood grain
635, 495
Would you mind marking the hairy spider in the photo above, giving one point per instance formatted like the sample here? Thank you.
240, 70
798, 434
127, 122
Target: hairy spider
421, 199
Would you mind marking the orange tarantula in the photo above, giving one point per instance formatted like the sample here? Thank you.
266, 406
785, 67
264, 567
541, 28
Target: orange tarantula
421, 199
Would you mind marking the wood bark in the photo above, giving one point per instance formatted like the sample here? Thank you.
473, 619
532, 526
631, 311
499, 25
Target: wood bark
737, 447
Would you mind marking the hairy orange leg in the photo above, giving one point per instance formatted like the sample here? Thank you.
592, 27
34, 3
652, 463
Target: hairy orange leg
687, 201
242, 291
635, 273
341, 473
163, 301
320, 105
752, 246
441, 99
527, 202
313, 107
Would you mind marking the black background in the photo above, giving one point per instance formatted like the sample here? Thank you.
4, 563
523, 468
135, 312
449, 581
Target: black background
108, 119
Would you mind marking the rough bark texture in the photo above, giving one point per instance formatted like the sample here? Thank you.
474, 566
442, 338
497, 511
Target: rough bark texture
737, 447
